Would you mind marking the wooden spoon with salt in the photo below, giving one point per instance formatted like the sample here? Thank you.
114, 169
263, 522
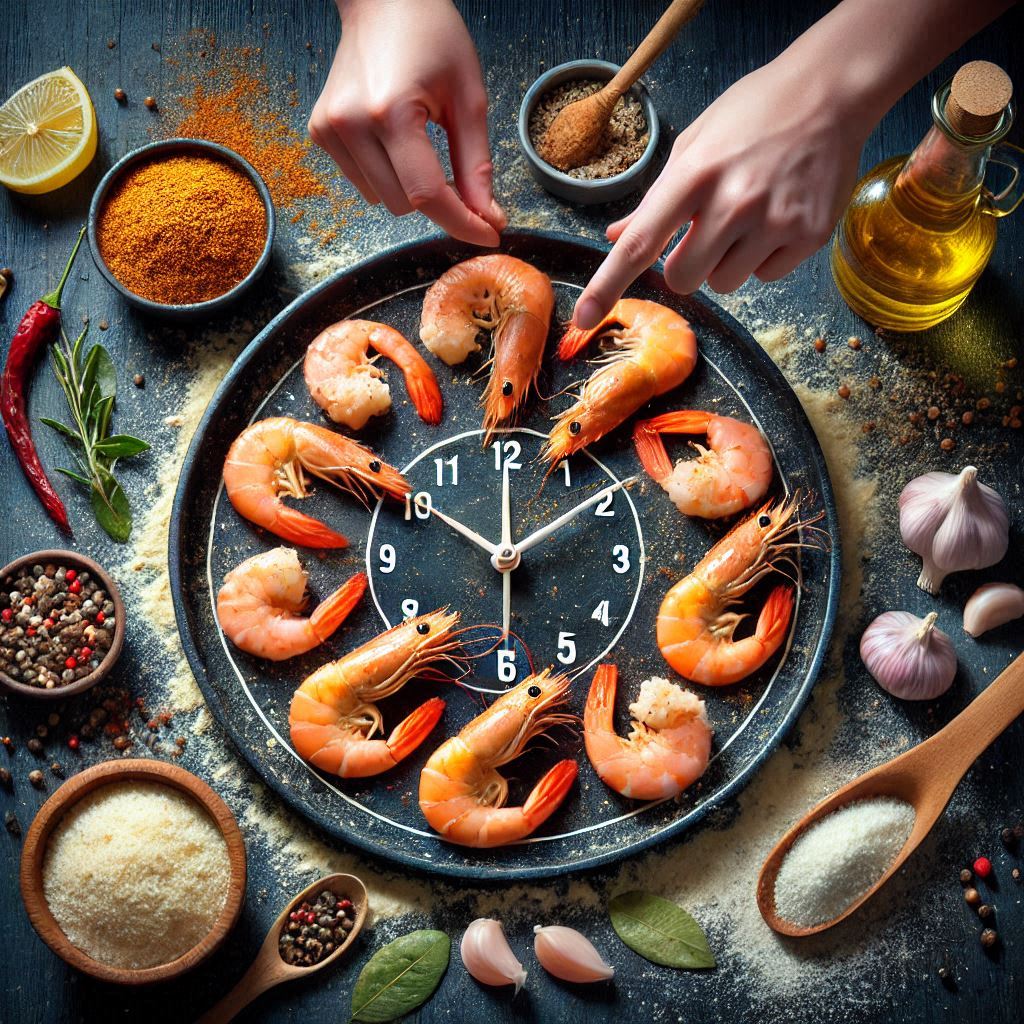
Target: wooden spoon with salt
269, 969
924, 777
574, 135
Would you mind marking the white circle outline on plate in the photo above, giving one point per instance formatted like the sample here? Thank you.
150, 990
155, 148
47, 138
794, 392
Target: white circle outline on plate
536, 433
279, 740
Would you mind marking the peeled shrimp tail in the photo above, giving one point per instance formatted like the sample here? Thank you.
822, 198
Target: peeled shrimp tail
462, 819
317, 738
335, 609
576, 339
649, 445
420, 381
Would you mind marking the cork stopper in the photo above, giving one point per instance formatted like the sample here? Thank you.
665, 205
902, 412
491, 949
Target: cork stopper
980, 93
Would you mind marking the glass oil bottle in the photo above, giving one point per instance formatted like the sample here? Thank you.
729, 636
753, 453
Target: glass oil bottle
919, 230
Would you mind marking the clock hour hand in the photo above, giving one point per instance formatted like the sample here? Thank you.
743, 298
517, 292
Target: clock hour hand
507, 548
472, 535
544, 532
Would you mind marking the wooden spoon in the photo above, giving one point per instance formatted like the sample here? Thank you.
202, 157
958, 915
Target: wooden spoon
269, 969
575, 134
925, 777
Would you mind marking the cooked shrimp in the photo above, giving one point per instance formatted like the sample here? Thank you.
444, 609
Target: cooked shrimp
334, 715
351, 389
654, 351
271, 457
462, 795
261, 604
505, 296
728, 476
669, 741
695, 629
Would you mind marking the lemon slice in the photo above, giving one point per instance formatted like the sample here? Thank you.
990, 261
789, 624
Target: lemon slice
47, 133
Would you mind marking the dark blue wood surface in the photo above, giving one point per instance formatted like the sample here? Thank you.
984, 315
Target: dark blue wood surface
516, 41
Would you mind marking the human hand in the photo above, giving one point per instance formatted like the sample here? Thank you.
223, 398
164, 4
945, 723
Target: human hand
400, 64
762, 175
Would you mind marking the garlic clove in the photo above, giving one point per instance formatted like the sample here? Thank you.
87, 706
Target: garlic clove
908, 656
568, 955
953, 523
488, 957
992, 605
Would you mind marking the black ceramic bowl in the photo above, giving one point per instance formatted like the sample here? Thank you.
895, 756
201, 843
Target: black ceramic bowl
172, 147
580, 190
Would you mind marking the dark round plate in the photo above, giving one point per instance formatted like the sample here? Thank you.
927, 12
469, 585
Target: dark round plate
558, 599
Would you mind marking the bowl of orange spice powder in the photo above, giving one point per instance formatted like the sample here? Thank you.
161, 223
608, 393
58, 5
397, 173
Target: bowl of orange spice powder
182, 227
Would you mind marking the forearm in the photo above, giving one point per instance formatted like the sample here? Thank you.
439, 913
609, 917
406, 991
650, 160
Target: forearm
868, 53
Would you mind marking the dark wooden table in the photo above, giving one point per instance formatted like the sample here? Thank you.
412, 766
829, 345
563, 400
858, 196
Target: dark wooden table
516, 40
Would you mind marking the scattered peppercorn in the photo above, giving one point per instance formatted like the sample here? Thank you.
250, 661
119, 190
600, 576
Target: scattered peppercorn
122, 742
58, 769
947, 444
139, 381
37, 778
967, 419
819, 344
966, 875
972, 896
315, 930
944, 973
7, 274
1007, 836
1015, 874
844, 391
7, 742
983, 403
103, 325
12, 824
989, 938
985, 911
933, 412
111, 43
854, 343
6, 779
35, 746
120, 95
155, 46
983, 867
149, 102
73, 742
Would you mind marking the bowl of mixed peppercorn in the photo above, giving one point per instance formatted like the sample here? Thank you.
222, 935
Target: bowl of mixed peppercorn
62, 624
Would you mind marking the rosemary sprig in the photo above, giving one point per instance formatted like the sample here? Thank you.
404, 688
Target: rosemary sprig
89, 382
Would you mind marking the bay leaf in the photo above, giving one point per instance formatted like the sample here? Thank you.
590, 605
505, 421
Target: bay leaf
400, 976
659, 930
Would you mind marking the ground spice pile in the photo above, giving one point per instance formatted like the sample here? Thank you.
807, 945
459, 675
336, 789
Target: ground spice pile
182, 229
623, 141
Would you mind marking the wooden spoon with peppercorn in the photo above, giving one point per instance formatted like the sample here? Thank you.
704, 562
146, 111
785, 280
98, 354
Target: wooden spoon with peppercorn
925, 777
335, 905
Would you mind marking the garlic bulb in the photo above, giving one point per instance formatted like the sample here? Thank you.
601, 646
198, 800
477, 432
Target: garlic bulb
488, 957
908, 656
992, 605
568, 955
953, 523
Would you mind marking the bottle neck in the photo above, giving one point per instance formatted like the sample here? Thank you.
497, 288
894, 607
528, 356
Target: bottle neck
940, 184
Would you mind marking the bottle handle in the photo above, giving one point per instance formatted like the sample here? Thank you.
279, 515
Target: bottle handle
1004, 202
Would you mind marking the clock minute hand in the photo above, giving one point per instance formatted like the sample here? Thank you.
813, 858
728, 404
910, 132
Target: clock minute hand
472, 535
544, 532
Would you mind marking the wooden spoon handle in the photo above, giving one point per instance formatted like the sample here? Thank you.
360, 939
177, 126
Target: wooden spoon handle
655, 42
966, 737
254, 982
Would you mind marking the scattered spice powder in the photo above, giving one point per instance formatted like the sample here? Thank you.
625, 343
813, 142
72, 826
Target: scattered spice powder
182, 229
623, 142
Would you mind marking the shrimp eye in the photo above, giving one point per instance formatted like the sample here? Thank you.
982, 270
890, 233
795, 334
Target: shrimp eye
575, 427
423, 628
507, 388
534, 691
764, 521
375, 466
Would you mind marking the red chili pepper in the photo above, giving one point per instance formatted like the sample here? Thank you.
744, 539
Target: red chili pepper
38, 327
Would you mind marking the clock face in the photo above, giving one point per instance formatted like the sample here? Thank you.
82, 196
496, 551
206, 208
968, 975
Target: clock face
587, 593
569, 598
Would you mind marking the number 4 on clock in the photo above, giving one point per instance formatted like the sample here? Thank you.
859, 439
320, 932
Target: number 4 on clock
601, 613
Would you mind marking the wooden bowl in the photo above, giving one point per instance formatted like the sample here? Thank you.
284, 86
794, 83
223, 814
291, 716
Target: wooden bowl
73, 560
50, 815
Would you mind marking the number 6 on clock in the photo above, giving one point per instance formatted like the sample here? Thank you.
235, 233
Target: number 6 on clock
506, 666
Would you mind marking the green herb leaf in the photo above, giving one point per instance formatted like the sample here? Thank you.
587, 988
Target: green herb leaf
659, 930
120, 446
110, 505
59, 427
75, 476
99, 372
400, 977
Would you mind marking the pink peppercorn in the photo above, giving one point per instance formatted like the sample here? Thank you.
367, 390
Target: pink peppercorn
71, 663
100, 618
7, 615
983, 867
75, 587
73, 742
86, 653
71, 575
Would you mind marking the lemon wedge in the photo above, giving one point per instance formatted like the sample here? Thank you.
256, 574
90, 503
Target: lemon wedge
47, 133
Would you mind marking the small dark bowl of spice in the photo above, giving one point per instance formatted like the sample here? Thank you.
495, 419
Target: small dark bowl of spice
181, 228
624, 161
62, 624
